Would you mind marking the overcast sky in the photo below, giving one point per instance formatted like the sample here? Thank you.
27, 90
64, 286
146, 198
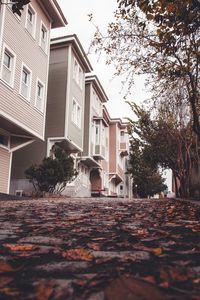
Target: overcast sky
76, 14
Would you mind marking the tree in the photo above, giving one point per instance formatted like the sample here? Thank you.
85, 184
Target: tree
17, 5
168, 142
147, 180
159, 38
53, 173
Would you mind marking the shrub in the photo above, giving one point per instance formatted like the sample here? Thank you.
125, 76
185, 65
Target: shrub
53, 173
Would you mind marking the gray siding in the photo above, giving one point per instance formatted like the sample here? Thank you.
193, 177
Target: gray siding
25, 157
75, 133
87, 121
56, 98
28, 51
4, 169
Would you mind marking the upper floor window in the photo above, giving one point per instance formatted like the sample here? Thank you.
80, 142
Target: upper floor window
39, 102
76, 113
8, 66
97, 103
78, 73
25, 87
122, 136
31, 20
43, 37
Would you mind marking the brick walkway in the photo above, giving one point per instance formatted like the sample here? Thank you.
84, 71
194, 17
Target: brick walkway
99, 249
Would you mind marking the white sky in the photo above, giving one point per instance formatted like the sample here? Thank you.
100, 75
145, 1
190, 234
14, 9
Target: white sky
76, 14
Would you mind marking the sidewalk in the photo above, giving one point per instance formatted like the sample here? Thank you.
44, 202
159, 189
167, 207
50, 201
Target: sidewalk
99, 249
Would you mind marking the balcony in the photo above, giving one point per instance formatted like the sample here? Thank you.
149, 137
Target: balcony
99, 152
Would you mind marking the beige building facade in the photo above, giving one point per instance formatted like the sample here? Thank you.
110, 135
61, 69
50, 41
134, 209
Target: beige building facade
24, 44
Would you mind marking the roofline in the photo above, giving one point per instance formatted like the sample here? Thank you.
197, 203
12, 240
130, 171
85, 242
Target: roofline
73, 39
114, 120
54, 12
99, 87
60, 12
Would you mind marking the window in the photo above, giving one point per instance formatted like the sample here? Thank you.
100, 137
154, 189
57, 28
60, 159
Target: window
39, 103
78, 74
3, 140
122, 136
43, 38
97, 134
31, 20
76, 113
25, 87
8, 66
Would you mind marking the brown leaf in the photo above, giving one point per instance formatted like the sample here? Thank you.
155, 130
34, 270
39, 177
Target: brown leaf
129, 288
78, 254
5, 267
44, 292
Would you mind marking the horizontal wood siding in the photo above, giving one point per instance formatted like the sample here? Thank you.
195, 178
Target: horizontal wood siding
29, 52
25, 157
55, 120
87, 122
4, 169
74, 132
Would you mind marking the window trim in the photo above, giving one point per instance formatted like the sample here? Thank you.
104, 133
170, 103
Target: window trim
76, 75
42, 25
13, 55
33, 34
39, 82
77, 121
24, 66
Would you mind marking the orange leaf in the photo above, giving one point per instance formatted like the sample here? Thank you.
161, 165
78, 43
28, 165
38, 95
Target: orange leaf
78, 254
17, 247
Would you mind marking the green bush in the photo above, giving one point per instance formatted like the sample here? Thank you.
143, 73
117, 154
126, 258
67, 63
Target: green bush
53, 173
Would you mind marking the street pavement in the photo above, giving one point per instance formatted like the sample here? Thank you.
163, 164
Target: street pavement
99, 249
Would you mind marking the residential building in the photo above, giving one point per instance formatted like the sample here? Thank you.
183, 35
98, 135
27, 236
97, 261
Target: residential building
65, 109
24, 59
120, 183
95, 148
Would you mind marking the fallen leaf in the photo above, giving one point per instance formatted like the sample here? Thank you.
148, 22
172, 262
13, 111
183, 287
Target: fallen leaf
78, 254
129, 288
44, 292
5, 267
17, 247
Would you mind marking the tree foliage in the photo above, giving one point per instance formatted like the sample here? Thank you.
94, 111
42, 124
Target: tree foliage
17, 5
168, 142
147, 180
53, 173
160, 38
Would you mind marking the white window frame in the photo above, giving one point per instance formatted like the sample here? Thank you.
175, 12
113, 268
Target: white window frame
42, 26
39, 82
78, 73
25, 67
11, 53
76, 112
30, 7
122, 136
